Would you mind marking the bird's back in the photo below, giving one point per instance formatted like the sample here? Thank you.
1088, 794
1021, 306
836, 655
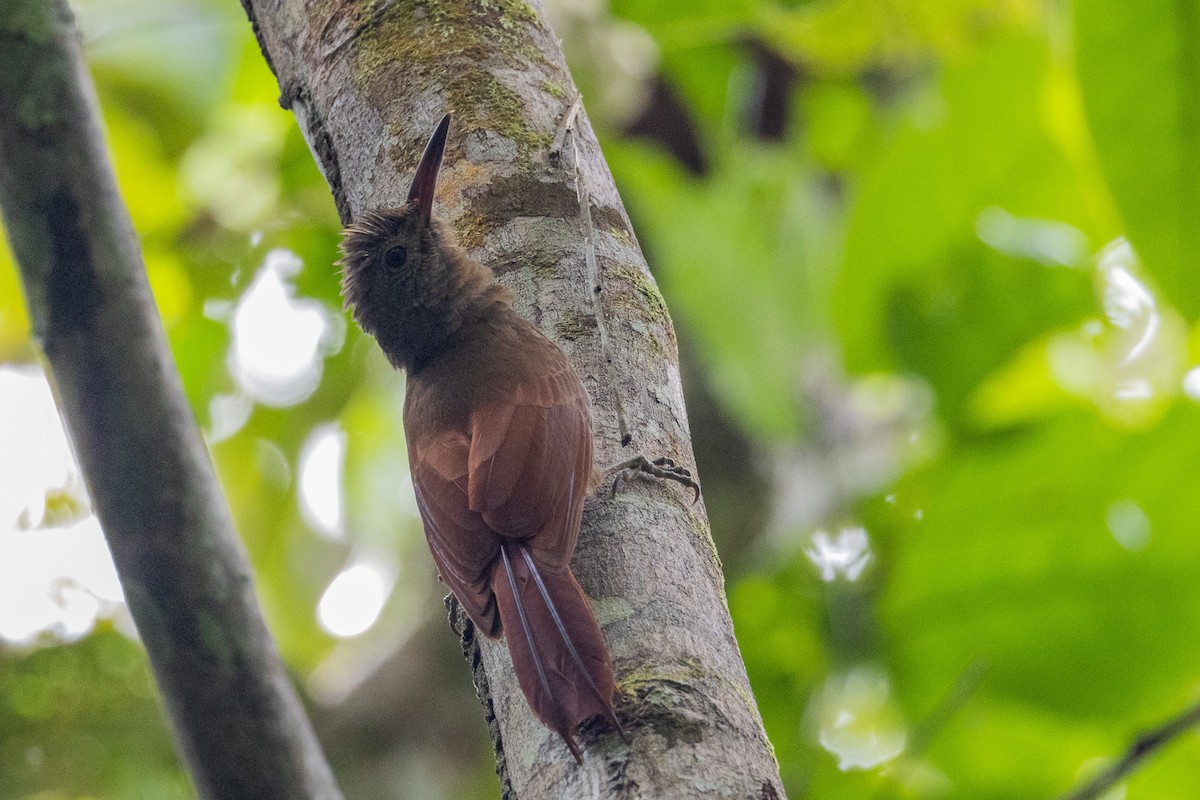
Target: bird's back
500, 446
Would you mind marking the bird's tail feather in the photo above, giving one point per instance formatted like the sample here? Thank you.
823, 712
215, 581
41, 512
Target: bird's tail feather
557, 647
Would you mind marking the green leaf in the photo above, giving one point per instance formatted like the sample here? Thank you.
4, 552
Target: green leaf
967, 315
80, 720
14, 322
978, 143
1139, 69
1064, 557
738, 254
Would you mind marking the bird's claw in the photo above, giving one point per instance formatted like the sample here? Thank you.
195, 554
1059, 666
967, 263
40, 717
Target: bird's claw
663, 468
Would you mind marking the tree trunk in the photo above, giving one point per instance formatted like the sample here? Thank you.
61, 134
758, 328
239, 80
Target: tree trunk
527, 191
236, 719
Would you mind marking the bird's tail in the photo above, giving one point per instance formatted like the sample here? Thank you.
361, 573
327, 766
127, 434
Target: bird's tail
556, 645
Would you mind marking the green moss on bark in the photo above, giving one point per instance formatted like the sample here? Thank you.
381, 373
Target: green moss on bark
645, 288
452, 46
574, 325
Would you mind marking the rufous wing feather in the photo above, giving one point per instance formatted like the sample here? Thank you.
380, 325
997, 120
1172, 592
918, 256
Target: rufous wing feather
501, 500
531, 461
463, 546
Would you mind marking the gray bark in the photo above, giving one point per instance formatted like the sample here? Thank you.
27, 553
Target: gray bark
527, 191
236, 719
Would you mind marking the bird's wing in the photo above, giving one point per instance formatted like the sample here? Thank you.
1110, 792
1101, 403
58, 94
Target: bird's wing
462, 545
530, 461
521, 471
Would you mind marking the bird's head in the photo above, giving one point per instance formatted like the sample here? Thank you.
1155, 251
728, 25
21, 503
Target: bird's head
391, 256
404, 279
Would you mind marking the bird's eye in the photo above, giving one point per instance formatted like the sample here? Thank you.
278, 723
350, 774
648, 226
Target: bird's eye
395, 257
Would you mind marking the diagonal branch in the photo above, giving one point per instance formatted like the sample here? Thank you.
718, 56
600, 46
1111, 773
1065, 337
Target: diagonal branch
236, 719
1143, 747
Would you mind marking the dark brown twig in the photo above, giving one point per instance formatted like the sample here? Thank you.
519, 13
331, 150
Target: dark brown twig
1144, 746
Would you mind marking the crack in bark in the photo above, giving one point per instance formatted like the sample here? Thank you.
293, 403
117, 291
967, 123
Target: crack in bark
462, 627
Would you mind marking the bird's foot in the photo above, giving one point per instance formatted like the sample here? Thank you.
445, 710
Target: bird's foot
662, 468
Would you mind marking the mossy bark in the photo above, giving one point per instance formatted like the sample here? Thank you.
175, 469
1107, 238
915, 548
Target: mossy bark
237, 721
526, 189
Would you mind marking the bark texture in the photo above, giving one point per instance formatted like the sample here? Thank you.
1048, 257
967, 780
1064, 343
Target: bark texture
527, 191
236, 719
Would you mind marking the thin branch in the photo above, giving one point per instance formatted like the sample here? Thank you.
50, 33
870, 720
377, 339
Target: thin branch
1144, 746
235, 717
928, 729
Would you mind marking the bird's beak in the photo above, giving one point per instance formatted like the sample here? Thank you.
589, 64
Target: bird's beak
425, 179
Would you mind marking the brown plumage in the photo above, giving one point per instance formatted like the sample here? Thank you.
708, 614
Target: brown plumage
499, 442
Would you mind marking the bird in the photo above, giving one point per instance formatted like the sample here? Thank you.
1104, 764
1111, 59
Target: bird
499, 434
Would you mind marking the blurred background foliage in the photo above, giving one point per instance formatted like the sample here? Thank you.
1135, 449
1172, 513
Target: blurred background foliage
934, 271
